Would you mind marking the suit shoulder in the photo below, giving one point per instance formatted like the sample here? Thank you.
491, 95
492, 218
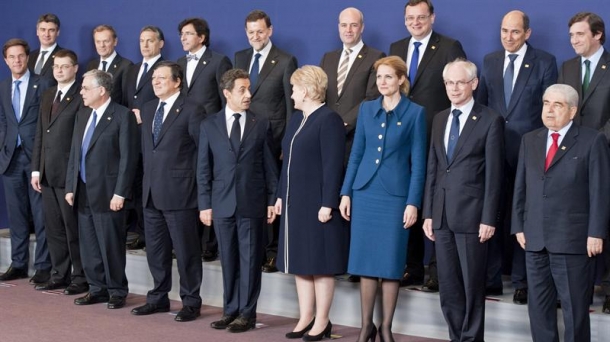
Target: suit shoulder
399, 43
546, 56
242, 53
377, 54
92, 64
442, 39
487, 111
493, 55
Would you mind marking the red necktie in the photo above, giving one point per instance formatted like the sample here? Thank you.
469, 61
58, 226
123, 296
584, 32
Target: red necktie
552, 151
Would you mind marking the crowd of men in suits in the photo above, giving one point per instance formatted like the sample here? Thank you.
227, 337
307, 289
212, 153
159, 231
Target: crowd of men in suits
81, 160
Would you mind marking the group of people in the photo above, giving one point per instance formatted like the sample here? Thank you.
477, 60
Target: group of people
315, 171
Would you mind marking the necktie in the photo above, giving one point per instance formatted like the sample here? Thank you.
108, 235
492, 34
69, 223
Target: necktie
509, 74
104, 63
17, 106
56, 103
40, 63
190, 57
158, 122
342, 74
414, 62
454, 134
143, 73
235, 136
254, 71
552, 151
85, 147
587, 79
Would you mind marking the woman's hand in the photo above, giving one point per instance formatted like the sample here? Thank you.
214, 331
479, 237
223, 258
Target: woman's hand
345, 207
410, 216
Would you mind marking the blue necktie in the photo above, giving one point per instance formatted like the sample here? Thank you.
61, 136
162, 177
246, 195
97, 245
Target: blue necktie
509, 74
454, 134
158, 122
235, 136
17, 105
254, 70
414, 62
85, 147
143, 73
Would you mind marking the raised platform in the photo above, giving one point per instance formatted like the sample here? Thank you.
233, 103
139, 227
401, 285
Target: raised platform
417, 313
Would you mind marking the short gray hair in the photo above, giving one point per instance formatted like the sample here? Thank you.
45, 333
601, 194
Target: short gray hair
102, 78
569, 94
471, 69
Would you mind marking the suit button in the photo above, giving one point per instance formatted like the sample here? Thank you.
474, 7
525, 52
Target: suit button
48, 131
448, 170
376, 161
544, 196
135, 96
506, 121
380, 136
542, 178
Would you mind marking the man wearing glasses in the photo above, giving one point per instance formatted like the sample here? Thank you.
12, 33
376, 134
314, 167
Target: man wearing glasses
426, 53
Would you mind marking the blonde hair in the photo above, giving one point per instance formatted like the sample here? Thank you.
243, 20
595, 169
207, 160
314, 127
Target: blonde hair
400, 68
313, 79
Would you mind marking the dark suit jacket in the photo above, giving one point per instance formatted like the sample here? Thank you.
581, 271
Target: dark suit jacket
428, 89
47, 68
558, 209
468, 189
538, 71
204, 89
54, 135
241, 185
271, 94
135, 98
118, 69
594, 105
26, 127
111, 159
171, 165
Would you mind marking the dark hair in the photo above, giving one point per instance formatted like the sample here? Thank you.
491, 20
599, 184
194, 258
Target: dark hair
417, 2
67, 53
49, 18
175, 70
526, 21
103, 27
228, 78
16, 42
201, 27
154, 29
596, 23
102, 79
257, 15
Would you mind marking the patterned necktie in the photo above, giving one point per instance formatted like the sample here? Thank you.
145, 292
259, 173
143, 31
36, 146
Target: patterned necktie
158, 122
414, 63
509, 75
454, 134
552, 151
55, 105
40, 63
85, 147
143, 74
104, 65
191, 57
254, 71
587, 79
235, 136
342, 74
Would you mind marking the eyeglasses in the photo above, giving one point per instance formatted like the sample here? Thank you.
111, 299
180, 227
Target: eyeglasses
412, 18
62, 67
459, 84
84, 88
188, 34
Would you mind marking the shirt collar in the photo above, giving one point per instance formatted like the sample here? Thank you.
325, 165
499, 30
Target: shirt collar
467, 108
562, 132
25, 78
169, 102
50, 48
151, 60
521, 52
199, 52
356, 48
229, 113
109, 59
264, 51
65, 89
423, 41
101, 109
594, 57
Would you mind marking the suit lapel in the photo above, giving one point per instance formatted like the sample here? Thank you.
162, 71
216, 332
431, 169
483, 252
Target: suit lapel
104, 121
471, 122
333, 60
30, 95
201, 64
566, 144
112, 68
270, 63
523, 76
442, 121
428, 55
7, 100
601, 72
49, 62
357, 62
498, 82
147, 76
171, 117
68, 98
250, 122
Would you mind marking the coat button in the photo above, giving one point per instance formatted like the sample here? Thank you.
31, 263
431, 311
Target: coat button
379, 148
376, 161
380, 136
382, 124
448, 170
48, 131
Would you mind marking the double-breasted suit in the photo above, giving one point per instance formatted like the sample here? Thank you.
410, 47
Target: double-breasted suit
118, 68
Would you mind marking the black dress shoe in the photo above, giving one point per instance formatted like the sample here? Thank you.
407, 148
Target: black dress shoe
50, 285
13, 273
325, 333
493, 291
116, 302
241, 324
353, 278
409, 279
74, 289
40, 277
209, 256
89, 299
430, 286
520, 296
269, 266
187, 314
223, 322
606, 307
148, 309
300, 334
138, 243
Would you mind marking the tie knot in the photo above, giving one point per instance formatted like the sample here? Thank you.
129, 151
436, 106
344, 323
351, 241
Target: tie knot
456, 113
257, 55
237, 116
43, 53
555, 136
161, 105
348, 52
587, 63
191, 57
59, 93
17, 83
417, 45
512, 57
94, 114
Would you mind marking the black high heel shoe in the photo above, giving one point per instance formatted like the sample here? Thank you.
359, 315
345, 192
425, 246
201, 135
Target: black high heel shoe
299, 334
381, 339
320, 336
373, 334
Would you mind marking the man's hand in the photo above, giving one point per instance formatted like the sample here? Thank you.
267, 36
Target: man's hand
70, 198
136, 113
521, 239
36, 184
594, 246
206, 217
270, 214
116, 203
486, 232
428, 229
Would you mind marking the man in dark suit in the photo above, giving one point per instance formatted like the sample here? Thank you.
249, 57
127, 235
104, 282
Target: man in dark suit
58, 108
462, 198
170, 134
512, 83
19, 106
138, 90
203, 69
105, 39
237, 178
270, 71
41, 60
560, 215
432, 51
99, 182
357, 77
589, 74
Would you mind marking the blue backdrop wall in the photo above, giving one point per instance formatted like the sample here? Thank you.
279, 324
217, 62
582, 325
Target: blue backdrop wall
306, 28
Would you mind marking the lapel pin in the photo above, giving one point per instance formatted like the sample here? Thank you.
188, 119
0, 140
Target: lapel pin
604, 67
563, 148
273, 62
177, 110
527, 65
114, 66
205, 62
359, 56
399, 123
433, 47
67, 99
35, 86
474, 118
109, 118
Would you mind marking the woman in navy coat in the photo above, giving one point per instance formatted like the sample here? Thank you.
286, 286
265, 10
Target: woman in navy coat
314, 239
382, 191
